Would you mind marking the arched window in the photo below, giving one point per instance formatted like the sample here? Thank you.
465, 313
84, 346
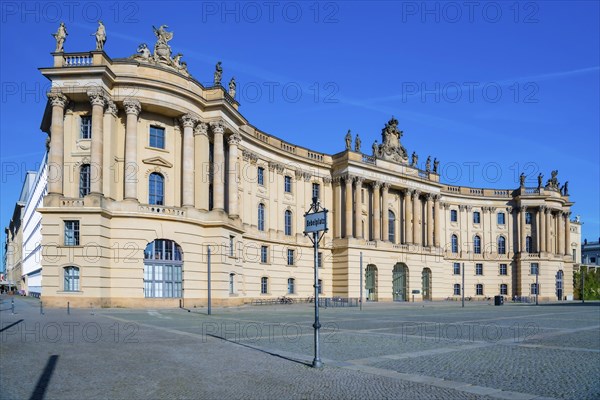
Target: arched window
457, 289
528, 244
163, 266
261, 217
264, 285
477, 244
291, 288
288, 223
392, 226
156, 189
454, 243
479, 289
501, 245
231, 283
71, 279
84, 180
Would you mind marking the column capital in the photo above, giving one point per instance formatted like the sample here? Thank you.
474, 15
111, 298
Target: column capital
217, 127
429, 196
436, 198
348, 178
359, 180
97, 97
385, 186
111, 108
188, 120
376, 184
509, 209
336, 180
416, 193
543, 209
57, 99
201, 129
327, 181
234, 139
249, 156
132, 106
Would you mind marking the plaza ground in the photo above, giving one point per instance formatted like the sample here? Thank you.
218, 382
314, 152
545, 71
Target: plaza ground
387, 350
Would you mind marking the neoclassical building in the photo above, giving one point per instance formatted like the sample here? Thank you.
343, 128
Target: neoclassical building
148, 169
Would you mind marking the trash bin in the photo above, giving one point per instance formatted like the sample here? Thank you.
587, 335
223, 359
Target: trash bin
498, 300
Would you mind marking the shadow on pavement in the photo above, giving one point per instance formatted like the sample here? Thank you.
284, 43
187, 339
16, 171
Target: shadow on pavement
42, 383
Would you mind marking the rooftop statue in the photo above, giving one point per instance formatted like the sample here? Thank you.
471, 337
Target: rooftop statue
391, 149
415, 159
540, 178
100, 36
60, 36
357, 143
218, 74
348, 140
436, 165
162, 51
553, 183
428, 164
522, 180
375, 148
232, 86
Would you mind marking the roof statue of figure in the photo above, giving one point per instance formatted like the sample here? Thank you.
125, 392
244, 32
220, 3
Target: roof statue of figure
218, 74
60, 36
375, 149
348, 140
415, 159
100, 36
357, 143
232, 86
522, 180
540, 178
428, 164
553, 183
436, 164
162, 51
391, 149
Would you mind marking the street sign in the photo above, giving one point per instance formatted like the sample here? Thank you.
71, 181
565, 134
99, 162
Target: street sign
315, 222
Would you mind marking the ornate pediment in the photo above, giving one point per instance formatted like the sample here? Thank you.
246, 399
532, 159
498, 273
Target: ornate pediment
161, 162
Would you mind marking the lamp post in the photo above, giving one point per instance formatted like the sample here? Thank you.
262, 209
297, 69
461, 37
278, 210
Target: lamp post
315, 222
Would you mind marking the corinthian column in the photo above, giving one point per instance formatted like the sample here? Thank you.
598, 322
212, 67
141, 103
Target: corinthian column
358, 207
542, 231
522, 224
187, 164
56, 157
384, 212
132, 109
437, 221
567, 233
429, 219
233, 141
416, 216
560, 221
98, 100
218, 166
201, 166
376, 211
548, 234
348, 181
408, 219
337, 207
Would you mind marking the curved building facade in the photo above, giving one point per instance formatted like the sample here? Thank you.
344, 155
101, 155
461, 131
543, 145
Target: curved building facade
148, 169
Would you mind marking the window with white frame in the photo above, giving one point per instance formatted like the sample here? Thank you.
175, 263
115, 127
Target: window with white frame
163, 265
479, 289
71, 233
287, 184
231, 245
291, 283
528, 217
457, 289
320, 283
534, 288
156, 189
264, 285
85, 131
528, 244
503, 269
534, 268
454, 243
290, 257
71, 279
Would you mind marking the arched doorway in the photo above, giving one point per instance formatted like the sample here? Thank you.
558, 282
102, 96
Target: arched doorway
559, 285
371, 282
163, 264
426, 283
400, 282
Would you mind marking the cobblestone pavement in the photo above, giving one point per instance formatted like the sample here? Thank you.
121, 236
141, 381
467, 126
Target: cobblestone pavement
393, 350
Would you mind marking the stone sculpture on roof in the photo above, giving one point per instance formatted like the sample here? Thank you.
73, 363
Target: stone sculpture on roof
391, 149
162, 52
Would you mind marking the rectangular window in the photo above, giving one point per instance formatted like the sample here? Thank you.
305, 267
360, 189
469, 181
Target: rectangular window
534, 289
320, 283
320, 259
264, 285
504, 289
291, 286
456, 268
157, 137
231, 283
261, 176
231, 245
574, 255
290, 257
453, 216
316, 191
534, 269
457, 289
287, 184
503, 269
528, 218
479, 289
86, 127
162, 280
501, 218
71, 279
264, 254
476, 217
478, 269
71, 233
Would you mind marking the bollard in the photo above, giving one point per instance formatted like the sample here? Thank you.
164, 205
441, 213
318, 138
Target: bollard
92, 308
12, 305
41, 308
68, 308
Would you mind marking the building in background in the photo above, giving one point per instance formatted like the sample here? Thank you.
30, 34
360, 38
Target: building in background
31, 274
590, 252
148, 168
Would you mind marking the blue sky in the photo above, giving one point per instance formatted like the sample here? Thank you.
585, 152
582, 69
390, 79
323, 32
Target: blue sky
492, 90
